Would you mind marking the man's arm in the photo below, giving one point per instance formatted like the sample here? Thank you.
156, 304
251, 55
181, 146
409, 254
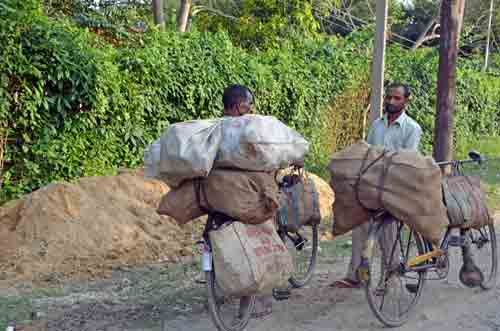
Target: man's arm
413, 140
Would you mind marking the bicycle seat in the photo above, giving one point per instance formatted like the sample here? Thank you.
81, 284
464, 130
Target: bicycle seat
476, 156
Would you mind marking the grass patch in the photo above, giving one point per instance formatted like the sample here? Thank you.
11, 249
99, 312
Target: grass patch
489, 171
16, 309
19, 308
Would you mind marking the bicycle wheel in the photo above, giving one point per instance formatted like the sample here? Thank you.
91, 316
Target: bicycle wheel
484, 249
228, 313
303, 246
393, 291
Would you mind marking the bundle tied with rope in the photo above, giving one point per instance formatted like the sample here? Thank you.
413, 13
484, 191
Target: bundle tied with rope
406, 184
248, 254
299, 201
250, 197
465, 201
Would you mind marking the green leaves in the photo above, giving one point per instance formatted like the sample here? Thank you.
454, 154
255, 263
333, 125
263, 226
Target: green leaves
76, 104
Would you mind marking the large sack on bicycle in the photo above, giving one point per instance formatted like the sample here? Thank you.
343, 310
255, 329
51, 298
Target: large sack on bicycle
404, 183
180, 203
299, 202
466, 202
259, 143
347, 211
188, 150
250, 259
249, 197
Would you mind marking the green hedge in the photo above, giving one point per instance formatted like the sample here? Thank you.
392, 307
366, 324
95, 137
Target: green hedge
76, 104
478, 94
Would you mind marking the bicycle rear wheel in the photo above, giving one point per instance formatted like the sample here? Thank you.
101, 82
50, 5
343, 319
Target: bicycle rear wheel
303, 246
484, 249
228, 313
391, 290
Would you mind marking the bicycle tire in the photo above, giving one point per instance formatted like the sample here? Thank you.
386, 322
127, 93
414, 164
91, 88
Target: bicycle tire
490, 277
298, 281
239, 322
372, 296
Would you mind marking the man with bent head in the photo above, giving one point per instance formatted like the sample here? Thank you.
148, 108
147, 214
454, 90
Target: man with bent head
238, 101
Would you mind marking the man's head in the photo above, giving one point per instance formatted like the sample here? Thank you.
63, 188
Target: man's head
396, 98
238, 100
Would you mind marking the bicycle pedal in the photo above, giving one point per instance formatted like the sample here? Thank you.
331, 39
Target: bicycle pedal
300, 245
458, 241
280, 295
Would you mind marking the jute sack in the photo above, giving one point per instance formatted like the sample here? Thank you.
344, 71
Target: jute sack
250, 259
347, 211
249, 197
299, 203
466, 202
180, 203
404, 183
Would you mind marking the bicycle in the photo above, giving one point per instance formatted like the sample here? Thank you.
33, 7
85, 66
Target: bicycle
228, 313
233, 313
399, 278
302, 242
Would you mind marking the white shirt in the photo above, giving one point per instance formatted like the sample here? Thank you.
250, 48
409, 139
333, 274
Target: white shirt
403, 133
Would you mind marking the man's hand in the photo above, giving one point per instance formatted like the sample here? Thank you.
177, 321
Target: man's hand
298, 164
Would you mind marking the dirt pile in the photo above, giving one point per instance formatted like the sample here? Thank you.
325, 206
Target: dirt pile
89, 227
325, 194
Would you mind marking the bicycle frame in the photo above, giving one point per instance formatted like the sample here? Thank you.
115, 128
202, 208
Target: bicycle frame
415, 264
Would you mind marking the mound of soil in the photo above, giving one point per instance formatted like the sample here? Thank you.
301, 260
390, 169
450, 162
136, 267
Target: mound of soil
87, 228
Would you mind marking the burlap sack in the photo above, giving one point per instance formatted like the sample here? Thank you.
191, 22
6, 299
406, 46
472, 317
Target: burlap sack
250, 259
466, 201
347, 212
404, 183
249, 197
180, 203
299, 204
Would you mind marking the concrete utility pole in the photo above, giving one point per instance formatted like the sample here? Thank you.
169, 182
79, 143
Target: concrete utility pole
488, 38
378, 60
158, 13
451, 12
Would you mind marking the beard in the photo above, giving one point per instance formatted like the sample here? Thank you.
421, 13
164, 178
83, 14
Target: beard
391, 109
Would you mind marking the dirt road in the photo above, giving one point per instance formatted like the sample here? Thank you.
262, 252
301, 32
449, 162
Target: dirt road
166, 297
445, 305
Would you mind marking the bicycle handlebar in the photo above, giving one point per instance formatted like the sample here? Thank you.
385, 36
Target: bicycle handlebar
458, 162
474, 157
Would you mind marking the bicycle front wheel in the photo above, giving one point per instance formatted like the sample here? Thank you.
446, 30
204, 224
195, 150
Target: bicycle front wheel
228, 313
392, 291
303, 246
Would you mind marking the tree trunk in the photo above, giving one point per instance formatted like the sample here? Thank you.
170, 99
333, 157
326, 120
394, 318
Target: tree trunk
183, 17
158, 13
488, 38
450, 24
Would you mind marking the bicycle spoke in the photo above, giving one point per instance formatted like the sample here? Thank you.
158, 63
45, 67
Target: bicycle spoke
389, 296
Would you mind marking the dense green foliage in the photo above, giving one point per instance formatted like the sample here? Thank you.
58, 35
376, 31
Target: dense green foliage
79, 100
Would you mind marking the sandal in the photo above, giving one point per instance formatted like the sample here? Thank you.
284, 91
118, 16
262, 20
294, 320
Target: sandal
346, 283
